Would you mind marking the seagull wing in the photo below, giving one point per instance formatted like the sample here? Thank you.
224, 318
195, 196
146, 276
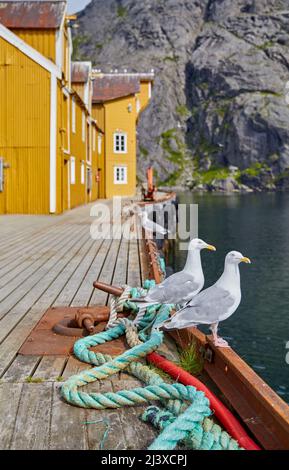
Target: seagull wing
176, 289
208, 307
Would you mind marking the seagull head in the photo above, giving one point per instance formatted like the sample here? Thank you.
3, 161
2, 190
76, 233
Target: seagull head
198, 244
235, 257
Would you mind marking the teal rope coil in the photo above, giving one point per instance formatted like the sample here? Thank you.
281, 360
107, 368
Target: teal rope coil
204, 436
190, 406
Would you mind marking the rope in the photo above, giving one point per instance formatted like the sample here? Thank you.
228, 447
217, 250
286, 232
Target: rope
188, 407
116, 306
205, 436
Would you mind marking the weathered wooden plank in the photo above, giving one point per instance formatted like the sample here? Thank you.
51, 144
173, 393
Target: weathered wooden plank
137, 434
72, 254
17, 264
67, 295
32, 425
73, 367
21, 368
50, 368
102, 421
106, 275
56, 281
44, 225
9, 400
67, 424
86, 290
39, 279
14, 280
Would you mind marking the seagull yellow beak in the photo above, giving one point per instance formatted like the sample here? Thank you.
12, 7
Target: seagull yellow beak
245, 260
211, 247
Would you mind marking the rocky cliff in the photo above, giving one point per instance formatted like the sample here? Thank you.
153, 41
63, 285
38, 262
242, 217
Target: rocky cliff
218, 118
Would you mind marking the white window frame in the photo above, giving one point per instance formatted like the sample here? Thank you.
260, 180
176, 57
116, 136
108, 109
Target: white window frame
116, 173
73, 113
117, 144
82, 172
99, 144
72, 170
83, 126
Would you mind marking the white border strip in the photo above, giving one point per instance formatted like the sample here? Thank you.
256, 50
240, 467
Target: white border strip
29, 51
53, 142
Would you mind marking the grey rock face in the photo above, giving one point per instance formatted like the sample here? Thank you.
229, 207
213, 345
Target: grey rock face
221, 72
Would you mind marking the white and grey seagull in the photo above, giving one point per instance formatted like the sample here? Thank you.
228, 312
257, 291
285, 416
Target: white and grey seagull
180, 287
151, 226
215, 304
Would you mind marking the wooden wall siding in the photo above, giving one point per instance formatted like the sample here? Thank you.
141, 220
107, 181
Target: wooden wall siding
101, 165
62, 144
79, 88
44, 41
118, 118
24, 132
94, 164
98, 114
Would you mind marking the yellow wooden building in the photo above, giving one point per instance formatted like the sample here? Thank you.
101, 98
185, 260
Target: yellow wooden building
118, 99
67, 132
47, 159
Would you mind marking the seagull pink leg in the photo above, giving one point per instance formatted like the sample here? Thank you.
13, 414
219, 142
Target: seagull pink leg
219, 342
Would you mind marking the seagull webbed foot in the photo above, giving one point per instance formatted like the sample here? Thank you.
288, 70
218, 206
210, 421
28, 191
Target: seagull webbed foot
220, 343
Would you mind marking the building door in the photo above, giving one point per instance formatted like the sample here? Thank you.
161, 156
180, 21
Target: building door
88, 183
65, 186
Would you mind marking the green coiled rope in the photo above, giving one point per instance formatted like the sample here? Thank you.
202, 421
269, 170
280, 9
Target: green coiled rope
197, 407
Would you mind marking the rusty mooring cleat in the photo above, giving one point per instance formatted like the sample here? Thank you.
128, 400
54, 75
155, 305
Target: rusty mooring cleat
85, 321
117, 291
87, 318
45, 341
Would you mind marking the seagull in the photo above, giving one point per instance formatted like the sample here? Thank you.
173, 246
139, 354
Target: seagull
151, 226
215, 304
182, 286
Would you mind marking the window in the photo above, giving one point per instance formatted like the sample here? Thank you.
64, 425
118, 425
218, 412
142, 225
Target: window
72, 170
73, 111
82, 172
120, 175
83, 126
120, 143
99, 144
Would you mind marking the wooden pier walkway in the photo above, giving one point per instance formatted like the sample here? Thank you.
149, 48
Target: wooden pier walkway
52, 261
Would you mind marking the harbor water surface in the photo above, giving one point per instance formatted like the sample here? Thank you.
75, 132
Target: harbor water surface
258, 226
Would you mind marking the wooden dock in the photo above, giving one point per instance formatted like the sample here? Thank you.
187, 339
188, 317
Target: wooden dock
52, 261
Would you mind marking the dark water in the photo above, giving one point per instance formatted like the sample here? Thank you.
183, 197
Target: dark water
258, 226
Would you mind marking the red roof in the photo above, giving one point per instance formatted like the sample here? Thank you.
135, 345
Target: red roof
110, 87
80, 72
32, 15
